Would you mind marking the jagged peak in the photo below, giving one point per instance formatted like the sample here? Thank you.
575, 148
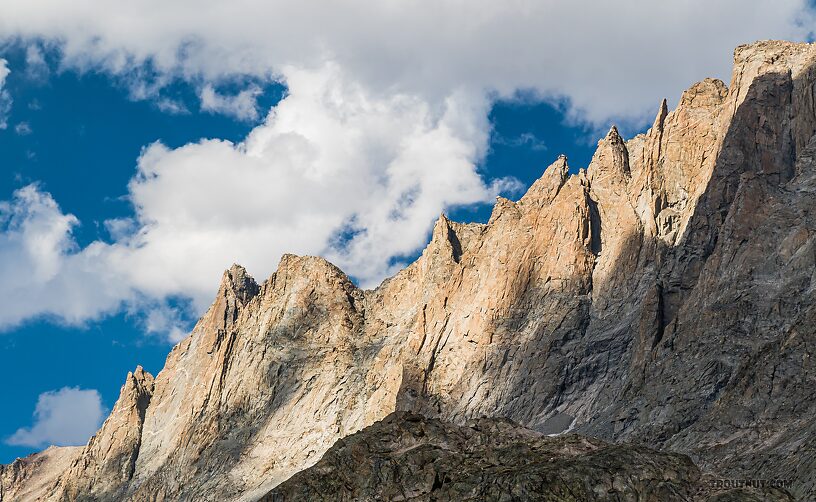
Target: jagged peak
292, 265
545, 188
109, 457
662, 113
441, 227
444, 236
289, 260
140, 376
237, 281
611, 158
503, 206
451, 239
439, 233
236, 290
705, 93
138, 387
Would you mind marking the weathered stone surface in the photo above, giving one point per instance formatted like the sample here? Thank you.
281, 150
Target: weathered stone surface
34, 477
410, 457
664, 296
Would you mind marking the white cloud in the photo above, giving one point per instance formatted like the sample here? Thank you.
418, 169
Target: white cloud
330, 158
68, 416
242, 106
610, 58
5, 97
44, 273
164, 320
383, 126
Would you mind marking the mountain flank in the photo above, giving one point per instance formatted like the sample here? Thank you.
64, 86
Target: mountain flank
655, 309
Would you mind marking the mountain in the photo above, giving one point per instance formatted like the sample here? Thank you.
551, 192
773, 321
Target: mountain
663, 297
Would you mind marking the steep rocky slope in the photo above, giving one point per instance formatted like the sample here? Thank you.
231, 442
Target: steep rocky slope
411, 457
662, 296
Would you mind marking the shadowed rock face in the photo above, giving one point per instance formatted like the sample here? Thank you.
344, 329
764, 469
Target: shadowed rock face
662, 297
411, 457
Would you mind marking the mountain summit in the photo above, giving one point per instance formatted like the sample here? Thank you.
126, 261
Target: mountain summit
661, 298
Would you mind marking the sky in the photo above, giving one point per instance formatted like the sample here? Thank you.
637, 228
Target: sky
145, 147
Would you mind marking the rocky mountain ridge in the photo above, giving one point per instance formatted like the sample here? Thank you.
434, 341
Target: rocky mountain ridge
663, 297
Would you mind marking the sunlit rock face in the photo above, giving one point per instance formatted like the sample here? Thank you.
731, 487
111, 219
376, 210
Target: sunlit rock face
663, 296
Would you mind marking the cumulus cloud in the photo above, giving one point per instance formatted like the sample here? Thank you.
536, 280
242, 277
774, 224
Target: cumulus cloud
68, 416
44, 272
5, 97
608, 58
334, 170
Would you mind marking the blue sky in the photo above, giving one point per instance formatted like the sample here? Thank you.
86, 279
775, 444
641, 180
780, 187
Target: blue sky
86, 133
85, 136
143, 149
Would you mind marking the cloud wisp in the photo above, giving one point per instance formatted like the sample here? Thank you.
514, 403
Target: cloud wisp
242, 106
5, 97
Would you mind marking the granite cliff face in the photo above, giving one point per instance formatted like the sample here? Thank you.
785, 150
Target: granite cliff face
663, 297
